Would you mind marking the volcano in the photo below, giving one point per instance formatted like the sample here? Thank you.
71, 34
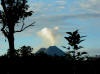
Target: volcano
52, 50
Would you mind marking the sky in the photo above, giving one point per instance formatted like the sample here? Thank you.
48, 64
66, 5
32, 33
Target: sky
55, 17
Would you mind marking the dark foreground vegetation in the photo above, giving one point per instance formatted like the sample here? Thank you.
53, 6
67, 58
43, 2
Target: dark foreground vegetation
41, 62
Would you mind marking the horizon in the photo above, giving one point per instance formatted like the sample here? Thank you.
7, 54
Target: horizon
55, 18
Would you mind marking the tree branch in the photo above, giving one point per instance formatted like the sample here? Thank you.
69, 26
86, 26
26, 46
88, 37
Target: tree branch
22, 29
5, 32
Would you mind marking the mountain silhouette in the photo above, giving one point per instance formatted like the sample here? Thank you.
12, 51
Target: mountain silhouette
52, 50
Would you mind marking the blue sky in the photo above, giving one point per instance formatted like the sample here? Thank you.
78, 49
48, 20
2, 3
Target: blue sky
55, 17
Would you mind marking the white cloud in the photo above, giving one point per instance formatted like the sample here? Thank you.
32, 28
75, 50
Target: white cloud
56, 28
49, 35
62, 17
89, 5
61, 7
61, 2
36, 6
41, 8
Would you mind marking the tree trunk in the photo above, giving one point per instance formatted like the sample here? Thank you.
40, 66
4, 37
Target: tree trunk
11, 50
74, 55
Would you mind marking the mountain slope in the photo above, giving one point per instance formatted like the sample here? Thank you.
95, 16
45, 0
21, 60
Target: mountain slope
52, 50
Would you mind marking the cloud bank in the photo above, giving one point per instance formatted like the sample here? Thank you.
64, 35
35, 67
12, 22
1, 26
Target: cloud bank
92, 6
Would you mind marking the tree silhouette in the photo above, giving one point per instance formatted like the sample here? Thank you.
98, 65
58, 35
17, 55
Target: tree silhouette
25, 51
13, 11
74, 39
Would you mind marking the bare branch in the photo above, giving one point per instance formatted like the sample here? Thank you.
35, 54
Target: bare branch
22, 29
5, 32
23, 24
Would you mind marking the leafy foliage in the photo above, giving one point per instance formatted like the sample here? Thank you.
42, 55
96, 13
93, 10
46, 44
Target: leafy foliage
13, 11
74, 39
25, 51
